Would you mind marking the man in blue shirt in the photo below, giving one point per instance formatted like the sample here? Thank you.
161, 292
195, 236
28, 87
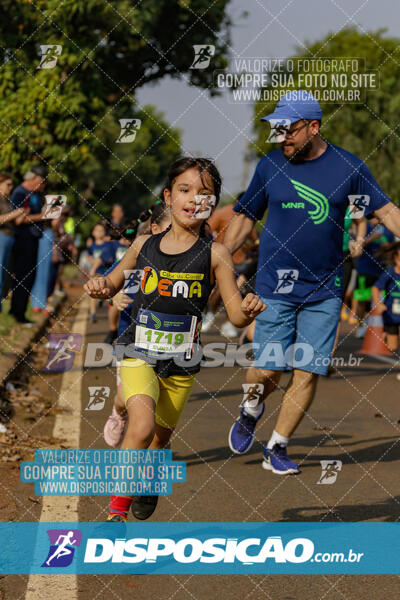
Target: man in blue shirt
306, 186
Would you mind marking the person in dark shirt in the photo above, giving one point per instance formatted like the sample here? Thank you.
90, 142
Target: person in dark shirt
27, 195
389, 306
7, 216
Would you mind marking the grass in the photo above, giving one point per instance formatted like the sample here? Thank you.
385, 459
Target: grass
7, 321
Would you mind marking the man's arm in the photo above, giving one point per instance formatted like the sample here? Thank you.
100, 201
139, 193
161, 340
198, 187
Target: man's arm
239, 229
389, 215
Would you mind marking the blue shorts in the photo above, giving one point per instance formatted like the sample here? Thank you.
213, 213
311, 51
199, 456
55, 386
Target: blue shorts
296, 336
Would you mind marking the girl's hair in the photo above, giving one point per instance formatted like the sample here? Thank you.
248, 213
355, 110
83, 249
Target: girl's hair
159, 213
388, 253
203, 165
4, 177
155, 213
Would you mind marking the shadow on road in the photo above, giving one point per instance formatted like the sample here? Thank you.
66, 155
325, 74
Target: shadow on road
387, 450
387, 510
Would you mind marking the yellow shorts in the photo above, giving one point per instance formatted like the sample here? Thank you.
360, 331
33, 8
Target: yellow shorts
170, 394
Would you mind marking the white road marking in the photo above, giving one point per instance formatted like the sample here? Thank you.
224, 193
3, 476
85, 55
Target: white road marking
64, 508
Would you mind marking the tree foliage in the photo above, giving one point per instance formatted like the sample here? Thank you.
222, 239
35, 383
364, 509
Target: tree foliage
369, 129
67, 116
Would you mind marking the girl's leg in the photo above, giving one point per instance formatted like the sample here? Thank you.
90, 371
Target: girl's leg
116, 422
138, 435
161, 438
141, 388
174, 392
141, 424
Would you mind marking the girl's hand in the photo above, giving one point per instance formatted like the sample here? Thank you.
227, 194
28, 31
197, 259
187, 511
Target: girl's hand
97, 288
252, 305
121, 301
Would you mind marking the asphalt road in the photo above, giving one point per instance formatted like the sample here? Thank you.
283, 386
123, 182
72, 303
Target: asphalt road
354, 419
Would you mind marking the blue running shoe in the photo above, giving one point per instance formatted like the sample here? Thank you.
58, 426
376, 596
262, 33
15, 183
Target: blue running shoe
241, 435
277, 461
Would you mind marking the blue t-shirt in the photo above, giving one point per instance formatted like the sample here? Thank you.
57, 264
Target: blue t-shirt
300, 255
113, 251
96, 251
389, 281
368, 263
21, 197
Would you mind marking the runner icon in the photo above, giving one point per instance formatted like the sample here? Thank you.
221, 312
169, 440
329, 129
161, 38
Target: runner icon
204, 55
62, 549
286, 280
130, 129
65, 347
98, 396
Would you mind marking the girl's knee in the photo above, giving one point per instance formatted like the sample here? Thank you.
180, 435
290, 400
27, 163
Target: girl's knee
142, 432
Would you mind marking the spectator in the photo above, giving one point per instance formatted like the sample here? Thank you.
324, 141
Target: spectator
62, 253
7, 215
27, 233
117, 222
117, 216
39, 290
95, 251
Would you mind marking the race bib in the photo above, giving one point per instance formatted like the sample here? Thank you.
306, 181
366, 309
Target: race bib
169, 335
396, 306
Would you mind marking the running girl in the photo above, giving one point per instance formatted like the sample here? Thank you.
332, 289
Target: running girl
180, 267
114, 428
389, 282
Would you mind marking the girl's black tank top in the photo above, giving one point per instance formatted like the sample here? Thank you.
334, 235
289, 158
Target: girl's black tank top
172, 284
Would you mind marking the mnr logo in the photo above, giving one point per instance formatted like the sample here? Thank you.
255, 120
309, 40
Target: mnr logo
320, 202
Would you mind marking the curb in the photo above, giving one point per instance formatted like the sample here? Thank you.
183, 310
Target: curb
12, 362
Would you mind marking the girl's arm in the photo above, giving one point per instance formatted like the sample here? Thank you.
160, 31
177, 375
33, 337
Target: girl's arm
379, 305
107, 287
240, 312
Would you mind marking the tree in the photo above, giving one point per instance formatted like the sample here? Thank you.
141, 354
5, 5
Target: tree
67, 115
369, 129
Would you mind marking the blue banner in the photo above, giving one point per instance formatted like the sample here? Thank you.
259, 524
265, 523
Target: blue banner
192, 548
97, 472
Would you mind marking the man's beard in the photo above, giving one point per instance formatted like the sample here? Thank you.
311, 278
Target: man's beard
301, 154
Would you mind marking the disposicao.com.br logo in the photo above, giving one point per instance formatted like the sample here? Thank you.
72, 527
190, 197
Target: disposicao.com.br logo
188, 550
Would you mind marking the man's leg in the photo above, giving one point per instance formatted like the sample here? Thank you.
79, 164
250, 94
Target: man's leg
273, 336
297, 399
25, 271
315, 336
